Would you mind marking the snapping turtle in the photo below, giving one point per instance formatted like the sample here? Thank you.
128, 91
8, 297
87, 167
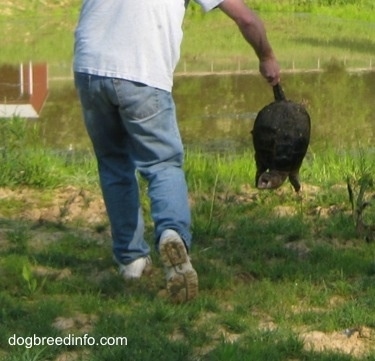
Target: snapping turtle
281, 135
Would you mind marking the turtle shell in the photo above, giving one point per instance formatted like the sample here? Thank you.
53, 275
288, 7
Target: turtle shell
281, 135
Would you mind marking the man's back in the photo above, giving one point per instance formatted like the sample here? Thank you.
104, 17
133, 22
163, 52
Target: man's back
135, 40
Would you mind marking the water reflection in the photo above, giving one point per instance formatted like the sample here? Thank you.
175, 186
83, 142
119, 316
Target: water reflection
217, 112
221, 110
23, 89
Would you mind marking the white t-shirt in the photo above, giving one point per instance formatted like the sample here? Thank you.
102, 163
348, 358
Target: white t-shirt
137, 40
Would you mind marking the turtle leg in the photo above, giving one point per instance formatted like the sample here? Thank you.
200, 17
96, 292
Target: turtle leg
294, 180
261, 168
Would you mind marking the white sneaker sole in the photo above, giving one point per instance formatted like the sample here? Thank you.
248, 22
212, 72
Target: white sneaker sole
182, 279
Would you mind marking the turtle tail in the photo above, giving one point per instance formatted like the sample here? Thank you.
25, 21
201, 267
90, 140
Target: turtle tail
278, 92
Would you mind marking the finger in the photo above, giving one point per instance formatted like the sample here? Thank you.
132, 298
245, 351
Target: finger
273, 80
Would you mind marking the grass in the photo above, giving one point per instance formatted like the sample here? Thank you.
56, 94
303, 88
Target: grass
294, 37
273, 266
34, 29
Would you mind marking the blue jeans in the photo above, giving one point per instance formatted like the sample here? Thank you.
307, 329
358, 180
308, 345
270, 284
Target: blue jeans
133, 128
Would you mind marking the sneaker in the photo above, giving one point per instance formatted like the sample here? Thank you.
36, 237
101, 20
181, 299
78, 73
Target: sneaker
135, 269
182, 279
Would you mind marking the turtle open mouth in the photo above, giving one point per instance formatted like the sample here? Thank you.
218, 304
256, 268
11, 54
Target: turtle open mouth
271, 179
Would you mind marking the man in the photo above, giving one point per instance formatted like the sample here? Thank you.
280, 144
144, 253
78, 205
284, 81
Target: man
125, 55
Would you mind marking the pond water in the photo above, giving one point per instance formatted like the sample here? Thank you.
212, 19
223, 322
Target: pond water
217, 112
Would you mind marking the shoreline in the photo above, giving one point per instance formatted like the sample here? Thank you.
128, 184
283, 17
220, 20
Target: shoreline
240, 72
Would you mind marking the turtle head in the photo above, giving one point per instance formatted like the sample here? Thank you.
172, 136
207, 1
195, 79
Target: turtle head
271, 179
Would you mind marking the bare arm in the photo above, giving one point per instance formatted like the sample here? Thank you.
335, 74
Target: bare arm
253, 31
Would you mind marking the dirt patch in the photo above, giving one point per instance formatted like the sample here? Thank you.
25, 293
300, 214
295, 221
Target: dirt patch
80, 323
73, 356
52, 273
218, 334
64, 205
357, 342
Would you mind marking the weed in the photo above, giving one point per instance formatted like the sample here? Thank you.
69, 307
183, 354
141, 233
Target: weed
27, 275
359, 204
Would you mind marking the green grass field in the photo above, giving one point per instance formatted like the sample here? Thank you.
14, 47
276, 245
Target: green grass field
282, 276
304, 34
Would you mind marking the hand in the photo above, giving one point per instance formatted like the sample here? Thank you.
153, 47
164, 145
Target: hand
270, 70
